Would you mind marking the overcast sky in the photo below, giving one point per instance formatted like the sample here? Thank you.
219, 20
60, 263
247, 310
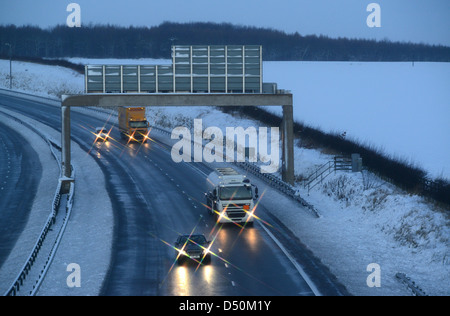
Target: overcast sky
419, 21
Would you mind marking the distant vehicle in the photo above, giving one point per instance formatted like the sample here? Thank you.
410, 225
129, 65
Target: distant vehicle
133, 124
102, 134
230, 196
194, 247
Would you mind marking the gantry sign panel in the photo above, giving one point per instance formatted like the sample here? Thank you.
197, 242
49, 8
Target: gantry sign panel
194, 69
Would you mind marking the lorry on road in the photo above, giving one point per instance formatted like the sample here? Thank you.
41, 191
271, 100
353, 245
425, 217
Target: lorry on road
230, 196
133, 124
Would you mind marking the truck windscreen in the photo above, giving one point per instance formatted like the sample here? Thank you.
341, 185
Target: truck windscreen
138, 124
236, 193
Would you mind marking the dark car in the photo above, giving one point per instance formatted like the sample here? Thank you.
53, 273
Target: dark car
194, 247
102, 134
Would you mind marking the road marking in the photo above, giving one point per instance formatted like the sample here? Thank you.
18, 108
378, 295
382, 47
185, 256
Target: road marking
198, 170
305, 277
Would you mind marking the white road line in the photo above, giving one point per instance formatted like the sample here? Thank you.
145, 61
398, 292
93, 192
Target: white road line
310, 283
197, 169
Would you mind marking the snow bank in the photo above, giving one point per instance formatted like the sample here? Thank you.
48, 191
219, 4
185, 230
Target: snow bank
365, 220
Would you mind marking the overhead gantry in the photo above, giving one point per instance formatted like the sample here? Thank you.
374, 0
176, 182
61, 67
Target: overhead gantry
108, 100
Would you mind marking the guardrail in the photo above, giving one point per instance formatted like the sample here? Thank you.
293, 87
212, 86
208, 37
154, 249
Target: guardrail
338, 163
410, 284
15, 287
55, 246
319, 175
278, 184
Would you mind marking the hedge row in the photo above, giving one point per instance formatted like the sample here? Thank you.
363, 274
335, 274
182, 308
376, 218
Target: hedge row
51, 62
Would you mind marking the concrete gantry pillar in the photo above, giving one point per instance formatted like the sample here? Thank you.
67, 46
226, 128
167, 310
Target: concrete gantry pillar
65, 142
288, 144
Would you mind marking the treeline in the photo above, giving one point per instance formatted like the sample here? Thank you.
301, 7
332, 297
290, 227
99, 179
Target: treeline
108, 41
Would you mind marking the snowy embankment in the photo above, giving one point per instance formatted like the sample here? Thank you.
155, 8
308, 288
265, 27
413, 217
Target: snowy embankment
363, 220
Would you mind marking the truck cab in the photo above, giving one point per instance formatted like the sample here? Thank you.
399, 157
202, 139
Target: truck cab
230, 196
133, 124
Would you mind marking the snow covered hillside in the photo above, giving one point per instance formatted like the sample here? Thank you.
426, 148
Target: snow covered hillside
41, 80
363, 220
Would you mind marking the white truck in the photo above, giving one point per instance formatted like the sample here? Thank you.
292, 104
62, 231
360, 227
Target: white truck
230, 196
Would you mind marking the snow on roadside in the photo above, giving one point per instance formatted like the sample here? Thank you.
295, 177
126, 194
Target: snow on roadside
88, 238
377, 223
364, 220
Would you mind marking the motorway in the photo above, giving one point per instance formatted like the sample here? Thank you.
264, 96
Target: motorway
154, 200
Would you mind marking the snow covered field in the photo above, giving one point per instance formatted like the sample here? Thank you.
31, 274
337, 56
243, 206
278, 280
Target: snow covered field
401, 108
363, 220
